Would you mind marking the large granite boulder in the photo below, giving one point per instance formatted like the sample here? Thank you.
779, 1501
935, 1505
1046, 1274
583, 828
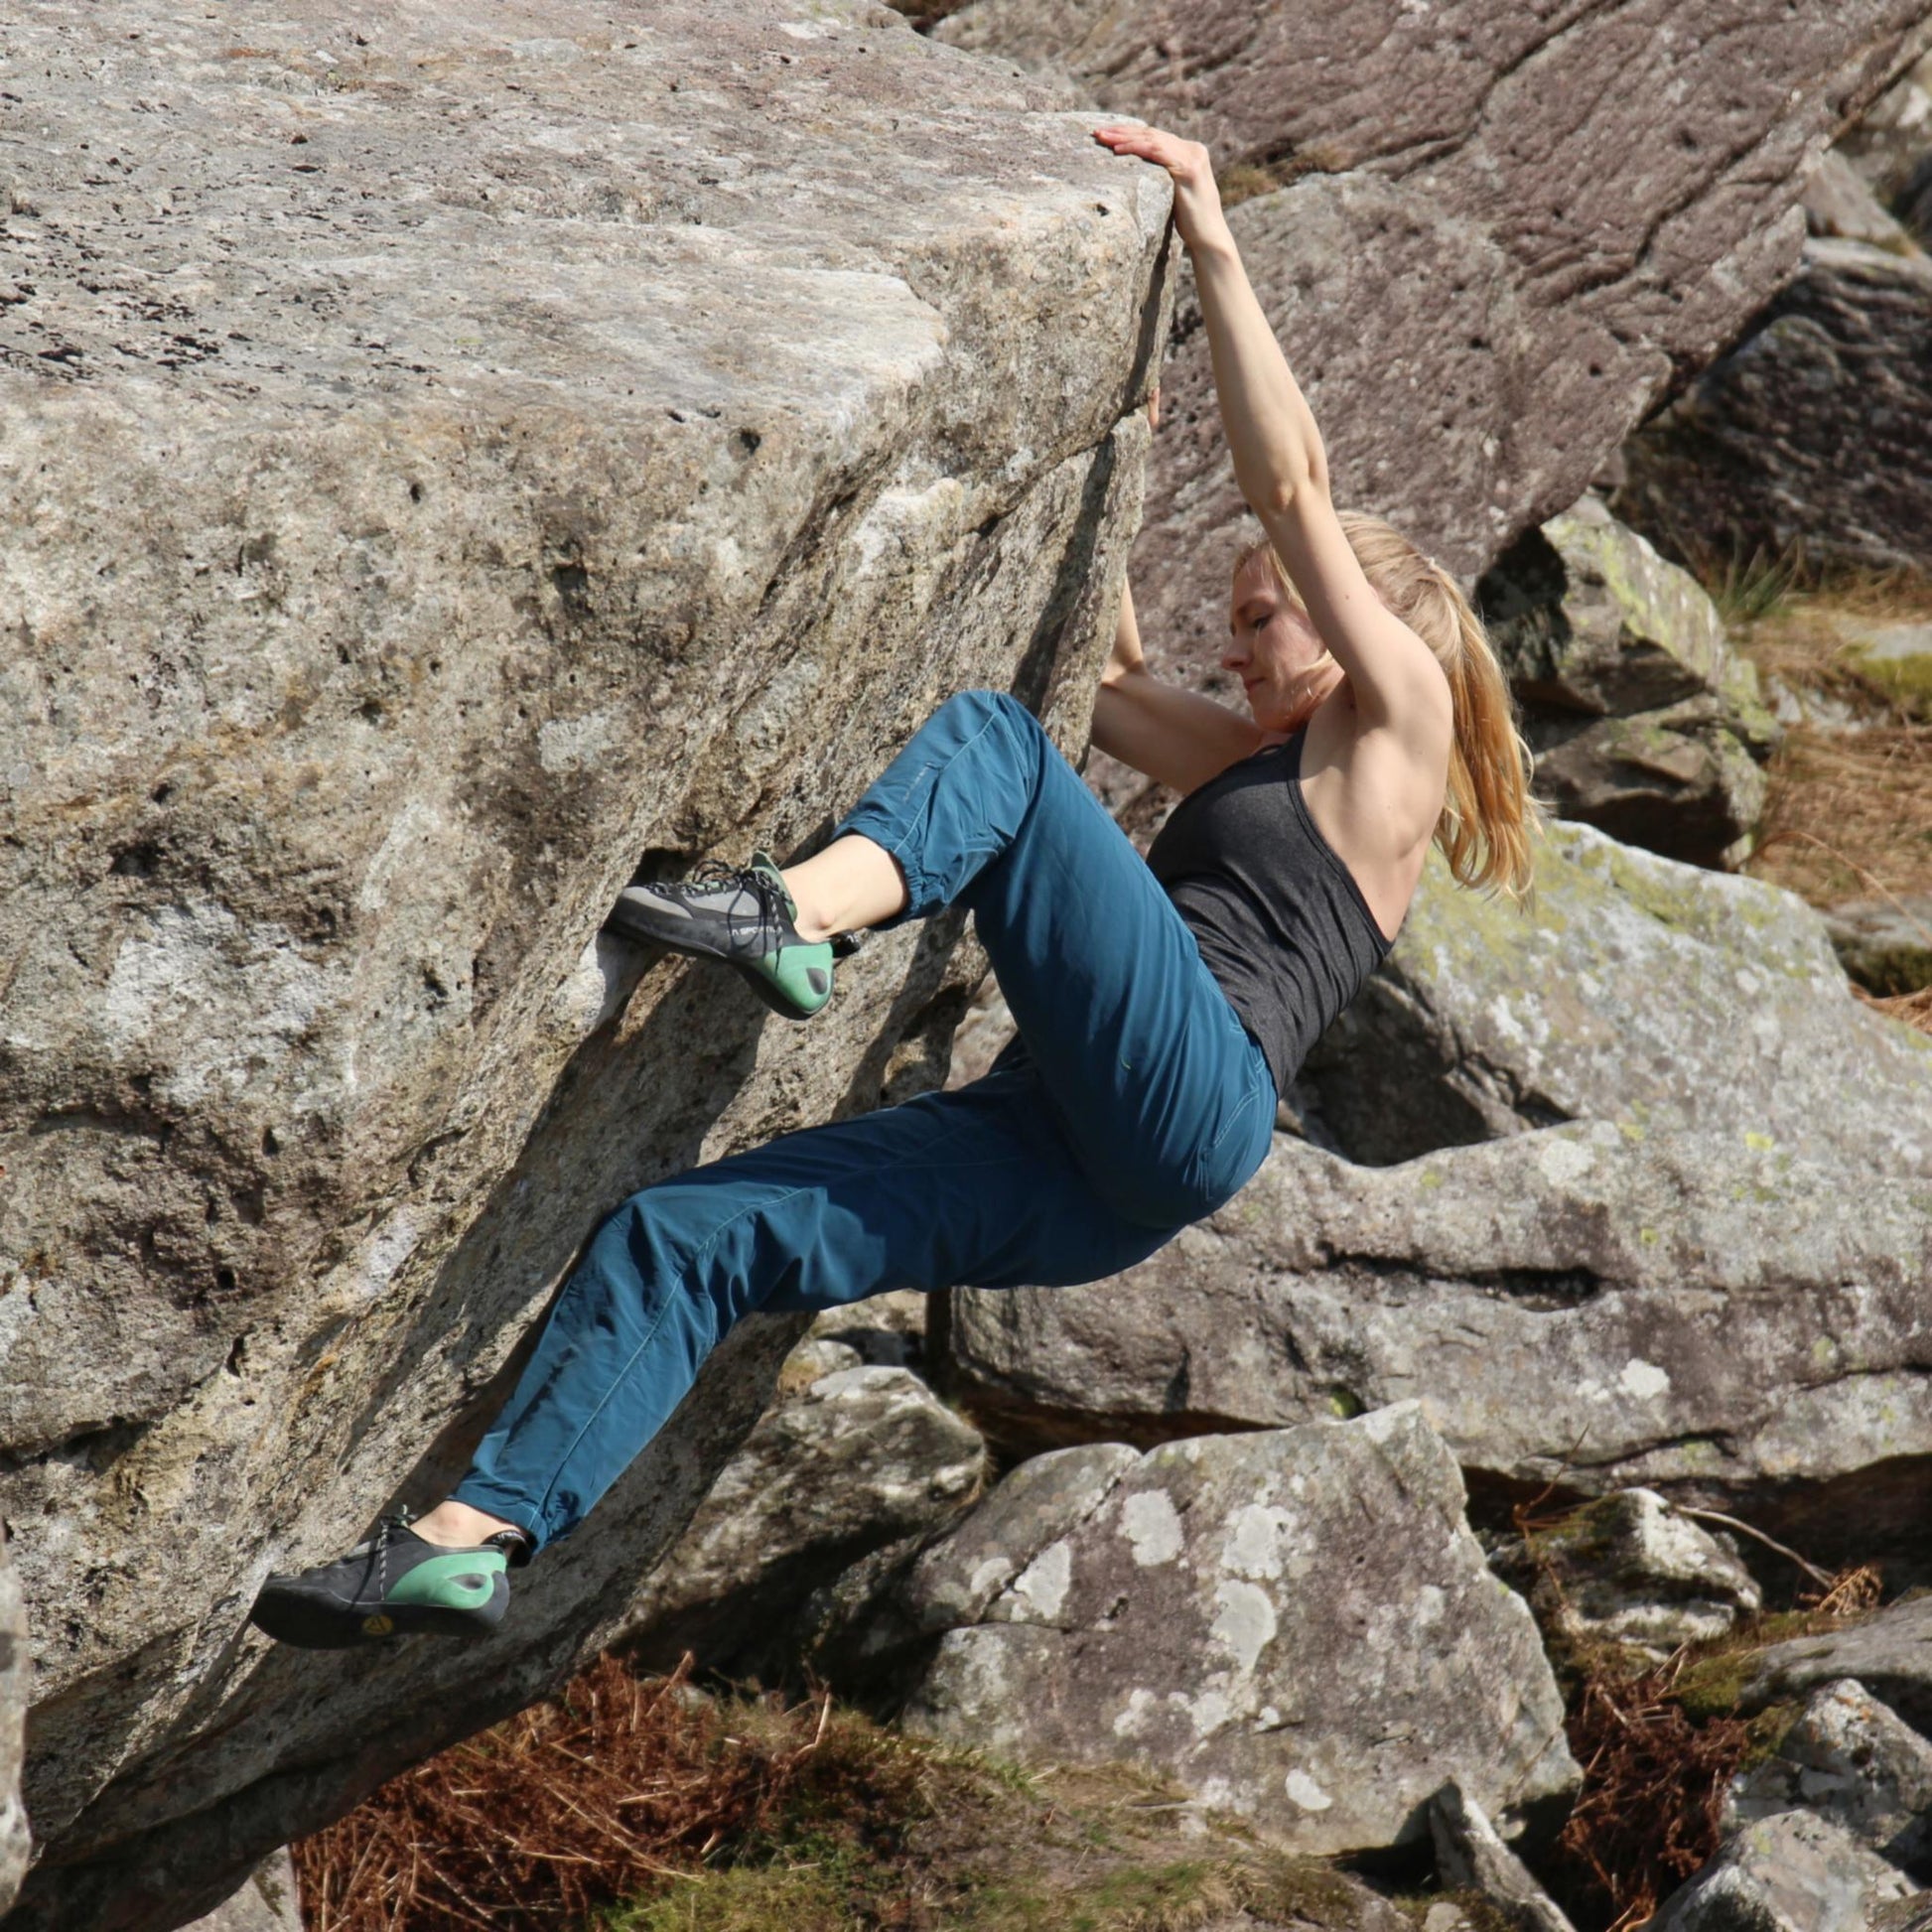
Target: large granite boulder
1643, 720
15, 1687
1809, 437
448, 454
1163, 1609
1725, 1323
1489, 237
1638, 990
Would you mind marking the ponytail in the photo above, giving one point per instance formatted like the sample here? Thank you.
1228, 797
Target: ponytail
1488, 816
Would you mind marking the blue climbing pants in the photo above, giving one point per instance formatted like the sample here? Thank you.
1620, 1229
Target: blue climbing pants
1132, 1102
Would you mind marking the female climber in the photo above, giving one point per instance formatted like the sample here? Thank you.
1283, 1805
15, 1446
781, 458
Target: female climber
1161, 1003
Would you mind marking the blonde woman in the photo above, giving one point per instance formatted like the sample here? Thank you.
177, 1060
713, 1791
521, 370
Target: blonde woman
1160, 1005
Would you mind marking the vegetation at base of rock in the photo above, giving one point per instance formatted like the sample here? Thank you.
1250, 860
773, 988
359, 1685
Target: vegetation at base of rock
630, 1805
1659, 1743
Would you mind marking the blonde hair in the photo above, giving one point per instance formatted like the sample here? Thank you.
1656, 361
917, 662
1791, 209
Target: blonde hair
1488, 816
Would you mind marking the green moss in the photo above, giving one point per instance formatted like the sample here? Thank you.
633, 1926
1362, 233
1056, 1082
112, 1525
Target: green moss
1906, 680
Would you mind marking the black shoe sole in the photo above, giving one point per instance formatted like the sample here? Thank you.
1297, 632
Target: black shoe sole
311, 1622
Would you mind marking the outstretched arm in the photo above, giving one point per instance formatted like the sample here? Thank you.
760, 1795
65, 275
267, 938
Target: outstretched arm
1177, 736
1280, 464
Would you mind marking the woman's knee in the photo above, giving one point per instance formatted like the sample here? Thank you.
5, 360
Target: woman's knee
972, 712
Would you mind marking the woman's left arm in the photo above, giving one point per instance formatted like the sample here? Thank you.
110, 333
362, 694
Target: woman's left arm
1280, 462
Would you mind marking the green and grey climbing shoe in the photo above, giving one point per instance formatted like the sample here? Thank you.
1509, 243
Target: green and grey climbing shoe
741, 914
393, 1586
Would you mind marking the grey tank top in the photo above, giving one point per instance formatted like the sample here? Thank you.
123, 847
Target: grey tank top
1279, 919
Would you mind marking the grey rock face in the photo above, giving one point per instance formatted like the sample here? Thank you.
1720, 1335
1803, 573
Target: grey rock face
1811, 432
1717, 1320
859, 1459
1175, 1622
1643, 722
1795, 1873
1888, 1652
1487, 236
1849, 1758
1628, 1570
15, 1690
452, 455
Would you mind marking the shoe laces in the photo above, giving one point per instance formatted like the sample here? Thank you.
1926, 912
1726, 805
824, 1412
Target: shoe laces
773, 917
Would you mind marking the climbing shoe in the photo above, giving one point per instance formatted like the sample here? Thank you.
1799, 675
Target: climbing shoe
741, 914
393, 1586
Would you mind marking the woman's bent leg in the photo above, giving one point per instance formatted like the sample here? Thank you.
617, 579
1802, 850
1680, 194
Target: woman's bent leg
975, 1187
1158, 1088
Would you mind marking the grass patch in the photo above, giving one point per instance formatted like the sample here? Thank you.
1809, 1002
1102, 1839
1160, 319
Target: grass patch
627, 1804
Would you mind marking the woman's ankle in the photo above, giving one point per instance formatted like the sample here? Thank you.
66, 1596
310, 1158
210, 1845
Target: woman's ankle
459, 1527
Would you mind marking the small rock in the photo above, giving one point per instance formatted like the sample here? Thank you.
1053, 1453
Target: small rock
1890, 1652
1470, 1852
1885, 944
1851, 1759
887, 1330
1794, 1872
857, 1459
1628, 1568
267, 1902
1839, 203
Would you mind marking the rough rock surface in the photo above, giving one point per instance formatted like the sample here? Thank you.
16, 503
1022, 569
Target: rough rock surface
1809, 435
1888, 1652
857, 1457
269, 1901
1725, 1323
15, 1686
1489, 236
1470, 1852
1643, 722
1849, 1758
1171, 1618
450, 452
1630, 1571
1795, 1873
1639, 990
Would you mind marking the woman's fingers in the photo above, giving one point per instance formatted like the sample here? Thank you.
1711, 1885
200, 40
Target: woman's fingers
1184, 160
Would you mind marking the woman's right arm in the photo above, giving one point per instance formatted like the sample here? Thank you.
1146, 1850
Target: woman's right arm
1177, 736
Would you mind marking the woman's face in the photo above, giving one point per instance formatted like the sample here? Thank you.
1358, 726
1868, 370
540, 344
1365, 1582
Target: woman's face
1275, 650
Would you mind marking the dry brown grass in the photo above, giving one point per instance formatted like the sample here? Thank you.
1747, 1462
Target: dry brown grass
1849, 813
618, 1787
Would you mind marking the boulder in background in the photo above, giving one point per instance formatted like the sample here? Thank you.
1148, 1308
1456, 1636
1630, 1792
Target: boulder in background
1643, 720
